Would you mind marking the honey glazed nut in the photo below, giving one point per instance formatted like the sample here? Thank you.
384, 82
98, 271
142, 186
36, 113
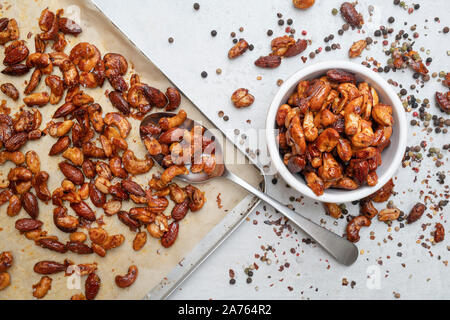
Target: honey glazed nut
241, 98
333, 131
93, 150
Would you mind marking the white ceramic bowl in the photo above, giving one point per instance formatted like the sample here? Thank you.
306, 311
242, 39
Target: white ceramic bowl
391, 156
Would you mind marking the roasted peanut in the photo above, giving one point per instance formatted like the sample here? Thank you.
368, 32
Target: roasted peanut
16, 157
439, 233
355, 225
6, 260
139, 241
119, 102
382, 114
416, 212
241, 98
135, 166
384, 193
75, 155
63, 221
303, 4
350, 15
30, 204
127, 220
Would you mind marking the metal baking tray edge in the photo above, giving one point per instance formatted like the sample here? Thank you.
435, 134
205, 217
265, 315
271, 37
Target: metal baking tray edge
219, 233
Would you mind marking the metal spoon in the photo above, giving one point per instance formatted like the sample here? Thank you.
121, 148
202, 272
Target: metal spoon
342, 250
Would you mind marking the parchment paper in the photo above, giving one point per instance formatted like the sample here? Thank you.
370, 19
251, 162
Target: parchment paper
153, 261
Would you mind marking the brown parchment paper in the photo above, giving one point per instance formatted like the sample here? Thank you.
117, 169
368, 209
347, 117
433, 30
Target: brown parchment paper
153, 261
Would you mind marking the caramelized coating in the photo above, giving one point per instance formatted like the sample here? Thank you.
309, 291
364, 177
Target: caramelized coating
332, 129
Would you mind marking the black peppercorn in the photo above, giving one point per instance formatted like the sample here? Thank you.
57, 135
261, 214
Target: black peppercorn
214, 33
196, 6
204, 74
232, 281
377, 33
280, 22
391, 20
289, 21
269, 32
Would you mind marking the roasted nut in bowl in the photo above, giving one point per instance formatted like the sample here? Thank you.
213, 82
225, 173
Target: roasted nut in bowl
318, 148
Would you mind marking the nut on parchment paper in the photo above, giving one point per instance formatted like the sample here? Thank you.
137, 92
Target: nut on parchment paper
350, 15
439, 233
238, 49
241, 98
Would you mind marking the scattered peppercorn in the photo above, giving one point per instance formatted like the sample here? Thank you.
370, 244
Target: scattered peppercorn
391, 20
170, 40
204, 74
196, 6
214, 33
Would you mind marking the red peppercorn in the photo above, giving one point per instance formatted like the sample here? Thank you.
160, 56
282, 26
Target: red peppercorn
304, 33
288, 29
415, 114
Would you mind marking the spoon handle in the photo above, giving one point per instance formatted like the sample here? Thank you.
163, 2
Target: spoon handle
342, 250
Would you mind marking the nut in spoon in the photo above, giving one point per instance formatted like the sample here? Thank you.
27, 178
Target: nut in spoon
342, 250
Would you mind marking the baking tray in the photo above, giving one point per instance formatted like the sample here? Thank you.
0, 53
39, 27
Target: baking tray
200, 233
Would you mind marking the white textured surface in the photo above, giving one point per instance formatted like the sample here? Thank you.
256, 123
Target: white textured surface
419, 273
